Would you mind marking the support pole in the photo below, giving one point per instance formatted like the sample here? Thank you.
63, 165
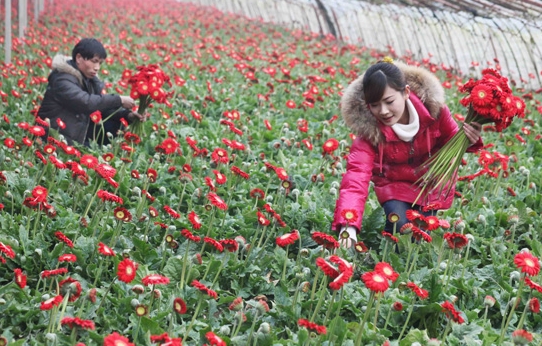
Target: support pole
23, 20
7, 32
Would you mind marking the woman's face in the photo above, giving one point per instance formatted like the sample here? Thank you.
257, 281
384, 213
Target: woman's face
391, 109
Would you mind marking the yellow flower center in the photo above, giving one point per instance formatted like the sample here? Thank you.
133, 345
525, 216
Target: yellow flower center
378, 278
529, 262
349, 215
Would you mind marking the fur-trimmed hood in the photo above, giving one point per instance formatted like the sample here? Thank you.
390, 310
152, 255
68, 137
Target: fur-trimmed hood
61, 63
357, 116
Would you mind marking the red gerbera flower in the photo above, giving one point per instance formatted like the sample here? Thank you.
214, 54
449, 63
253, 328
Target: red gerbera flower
290, 104
7, 250
431, 223
179, 306
168, 146
187, 234
343, 277
390, 237
262, 220
456, 240
20, 278
204, 289
521, 337
215, 340
105, 171
217, 201
326, 240
419, 234
534, 305
115, 339
122, 214
281, 173
327, 268
108, 196
36, 130
219, 177
96, 117
51, 302
350, 215
53, 272
237, 171
126, 270
214, 243
533, 285
237, 304
375, 281
105, 250
152, 175
155, 279
330, 146
481, 95
171, 212
60, 236
450, 311
527, 263
71, 286
413, 215
77, 322
40, 194
194, 220
288, 238
220, 155
67, 258
312, 326
229, 244
420, 292
386, 269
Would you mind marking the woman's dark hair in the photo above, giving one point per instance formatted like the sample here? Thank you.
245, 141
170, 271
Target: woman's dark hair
378, 77
89, 48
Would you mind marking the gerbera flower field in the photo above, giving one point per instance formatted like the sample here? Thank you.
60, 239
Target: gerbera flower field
210, 222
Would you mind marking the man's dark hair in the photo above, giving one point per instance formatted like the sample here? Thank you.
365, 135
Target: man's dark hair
378, 77
89, 48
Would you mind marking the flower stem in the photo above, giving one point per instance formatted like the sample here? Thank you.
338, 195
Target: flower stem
359, 335
407, 319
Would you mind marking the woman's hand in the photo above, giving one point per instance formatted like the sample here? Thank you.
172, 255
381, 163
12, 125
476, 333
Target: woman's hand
472, 131
347, 237
127, 102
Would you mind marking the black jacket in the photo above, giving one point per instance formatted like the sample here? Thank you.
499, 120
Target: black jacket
72, 98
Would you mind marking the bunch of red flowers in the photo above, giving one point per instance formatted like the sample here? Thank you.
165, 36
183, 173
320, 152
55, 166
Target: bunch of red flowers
148, 81
146, 85
489, 100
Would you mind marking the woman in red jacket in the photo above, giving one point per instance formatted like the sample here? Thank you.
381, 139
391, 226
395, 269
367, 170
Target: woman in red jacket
399, 117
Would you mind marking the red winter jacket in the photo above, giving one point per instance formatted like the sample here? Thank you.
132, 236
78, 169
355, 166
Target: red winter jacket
378, 155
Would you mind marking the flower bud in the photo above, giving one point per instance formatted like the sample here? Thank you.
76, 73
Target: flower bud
50, 337
138, 289
305, 286
224, 330
434, 342
265, 328
134, 303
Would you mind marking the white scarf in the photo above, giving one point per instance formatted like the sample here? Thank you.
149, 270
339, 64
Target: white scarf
406, 132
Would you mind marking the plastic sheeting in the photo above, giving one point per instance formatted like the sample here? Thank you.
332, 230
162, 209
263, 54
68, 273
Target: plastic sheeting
455, 39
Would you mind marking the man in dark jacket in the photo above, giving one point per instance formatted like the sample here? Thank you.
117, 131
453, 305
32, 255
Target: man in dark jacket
74, 93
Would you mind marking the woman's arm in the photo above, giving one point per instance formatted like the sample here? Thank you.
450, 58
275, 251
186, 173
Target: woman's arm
354, 185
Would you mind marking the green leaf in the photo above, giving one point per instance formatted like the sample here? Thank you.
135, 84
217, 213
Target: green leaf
174, 268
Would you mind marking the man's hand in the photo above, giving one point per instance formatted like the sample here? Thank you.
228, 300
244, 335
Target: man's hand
127, 102
134, 115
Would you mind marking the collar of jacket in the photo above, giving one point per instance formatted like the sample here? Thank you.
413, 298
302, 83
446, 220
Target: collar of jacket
428, 99
65, 64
